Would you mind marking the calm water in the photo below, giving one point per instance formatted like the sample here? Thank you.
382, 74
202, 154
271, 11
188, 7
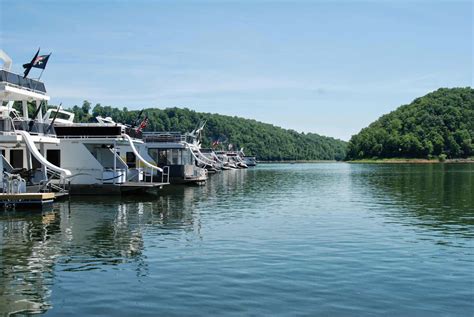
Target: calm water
308, 239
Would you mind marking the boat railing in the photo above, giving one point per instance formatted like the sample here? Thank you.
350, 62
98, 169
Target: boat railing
55, 183
34, 127
145, 173
118, 136
13, 183
18, 81
6, 125
163, 137
134, 133
165, 175
31, 126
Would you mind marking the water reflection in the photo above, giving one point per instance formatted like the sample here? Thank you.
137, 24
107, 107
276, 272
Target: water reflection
29, 247
438, 196
274, 228
83, 234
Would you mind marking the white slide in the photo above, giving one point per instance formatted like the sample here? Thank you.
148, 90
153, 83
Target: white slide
34, 151
197, 158
129, 139
194, 147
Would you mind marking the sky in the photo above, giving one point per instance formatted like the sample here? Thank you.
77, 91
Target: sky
328, 67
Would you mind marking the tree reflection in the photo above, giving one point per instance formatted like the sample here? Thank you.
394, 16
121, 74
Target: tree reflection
439, 196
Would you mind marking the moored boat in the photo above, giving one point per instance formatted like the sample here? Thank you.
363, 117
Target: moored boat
23, 140
171, 149
92, 152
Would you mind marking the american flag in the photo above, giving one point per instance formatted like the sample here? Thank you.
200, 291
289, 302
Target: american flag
143, 124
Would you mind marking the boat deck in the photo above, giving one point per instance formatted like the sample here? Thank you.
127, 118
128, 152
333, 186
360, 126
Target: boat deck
142, 184
26, 200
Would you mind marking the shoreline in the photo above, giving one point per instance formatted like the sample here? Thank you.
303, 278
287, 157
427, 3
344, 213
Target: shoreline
298, 161
411, 161
377, 161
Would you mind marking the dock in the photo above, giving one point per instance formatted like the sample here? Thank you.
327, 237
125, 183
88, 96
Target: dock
137, 186
26, 200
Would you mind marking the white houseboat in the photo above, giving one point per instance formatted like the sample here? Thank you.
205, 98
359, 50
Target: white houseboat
104, 157
24, 136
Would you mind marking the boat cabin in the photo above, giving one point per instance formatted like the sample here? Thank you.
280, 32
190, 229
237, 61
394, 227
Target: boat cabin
171, 149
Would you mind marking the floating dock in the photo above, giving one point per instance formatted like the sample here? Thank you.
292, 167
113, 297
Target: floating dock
26, 200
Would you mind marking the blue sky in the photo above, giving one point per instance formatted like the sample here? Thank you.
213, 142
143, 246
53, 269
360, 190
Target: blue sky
329, 67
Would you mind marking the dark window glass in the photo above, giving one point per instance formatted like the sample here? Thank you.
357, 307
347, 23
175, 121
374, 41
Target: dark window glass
131, 160
54, 157
16, 158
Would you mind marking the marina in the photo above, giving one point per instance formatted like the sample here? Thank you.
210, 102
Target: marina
100, 158
236, 158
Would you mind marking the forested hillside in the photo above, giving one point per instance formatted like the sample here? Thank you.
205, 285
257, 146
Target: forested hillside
440, 124
263, 140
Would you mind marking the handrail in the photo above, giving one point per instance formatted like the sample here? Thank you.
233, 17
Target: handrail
15, 80
49, 182
166, 172
137, 154
12, 183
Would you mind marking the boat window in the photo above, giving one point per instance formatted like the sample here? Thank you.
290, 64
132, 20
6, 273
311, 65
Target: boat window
187, 157
163, 158
154, 155
176, 157
2, 152
16, 158
54, 157
60, 115
169, 154
131, 160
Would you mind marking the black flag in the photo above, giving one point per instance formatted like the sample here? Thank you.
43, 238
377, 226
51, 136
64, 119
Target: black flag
30, 64
36, 62
40, 62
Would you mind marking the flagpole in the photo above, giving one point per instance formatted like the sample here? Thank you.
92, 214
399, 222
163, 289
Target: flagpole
41, 74
37, 80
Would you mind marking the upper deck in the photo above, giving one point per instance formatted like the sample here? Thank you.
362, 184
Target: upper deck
164, 137
15, 87
94, 130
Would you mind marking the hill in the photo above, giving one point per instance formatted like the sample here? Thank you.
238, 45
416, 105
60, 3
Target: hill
263, 140
439, 124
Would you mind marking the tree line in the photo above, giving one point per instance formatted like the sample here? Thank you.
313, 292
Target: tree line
263, 140
439, 124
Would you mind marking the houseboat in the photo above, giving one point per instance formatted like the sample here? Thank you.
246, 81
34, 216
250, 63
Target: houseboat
172, 149
92, 152
24, 138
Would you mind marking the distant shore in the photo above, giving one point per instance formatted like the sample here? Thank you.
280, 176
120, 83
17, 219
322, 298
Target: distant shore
298, 161
380, 161
411, 161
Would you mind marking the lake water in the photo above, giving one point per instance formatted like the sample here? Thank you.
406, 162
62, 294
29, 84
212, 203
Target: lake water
280, 239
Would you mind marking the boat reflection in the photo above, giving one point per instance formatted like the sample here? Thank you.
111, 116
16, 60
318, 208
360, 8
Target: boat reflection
29, 249
83, 234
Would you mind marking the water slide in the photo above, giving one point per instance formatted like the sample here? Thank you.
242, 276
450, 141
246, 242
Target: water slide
194, 147
34, 151
198, 159
140, 158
